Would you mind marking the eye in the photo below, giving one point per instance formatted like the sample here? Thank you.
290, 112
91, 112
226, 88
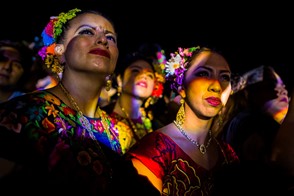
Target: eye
87, 32
226, 77
3, 58
150, 75
111, 37
202, 74
17, 65
134, 70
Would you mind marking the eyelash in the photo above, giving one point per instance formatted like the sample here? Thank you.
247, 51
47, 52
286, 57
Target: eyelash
91, 32
225, 77
138, 71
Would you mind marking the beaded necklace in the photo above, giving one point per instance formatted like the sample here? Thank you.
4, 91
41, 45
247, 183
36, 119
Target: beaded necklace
85, 122
202, 148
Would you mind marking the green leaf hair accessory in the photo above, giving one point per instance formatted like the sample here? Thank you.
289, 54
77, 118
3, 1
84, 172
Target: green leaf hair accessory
62, 19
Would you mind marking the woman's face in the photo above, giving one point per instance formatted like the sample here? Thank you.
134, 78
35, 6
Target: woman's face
11, 68
90, 45
138, 79
207, 84
277, 97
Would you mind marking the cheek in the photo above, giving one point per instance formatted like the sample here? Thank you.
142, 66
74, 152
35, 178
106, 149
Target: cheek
114, 55
17, 73
225, 95
151, 84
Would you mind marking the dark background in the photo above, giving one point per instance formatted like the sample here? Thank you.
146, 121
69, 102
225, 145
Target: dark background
249, 34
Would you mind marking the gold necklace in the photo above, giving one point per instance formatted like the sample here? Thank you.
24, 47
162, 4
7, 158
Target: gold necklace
85, 122
202, 148
133, 126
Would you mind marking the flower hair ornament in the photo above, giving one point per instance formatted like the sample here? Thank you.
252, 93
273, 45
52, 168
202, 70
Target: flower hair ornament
50, 34
158, 65
176, 66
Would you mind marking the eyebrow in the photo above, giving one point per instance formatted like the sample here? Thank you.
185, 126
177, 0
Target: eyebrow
210, 69
95, 28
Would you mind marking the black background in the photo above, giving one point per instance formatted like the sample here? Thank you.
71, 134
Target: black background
249, 34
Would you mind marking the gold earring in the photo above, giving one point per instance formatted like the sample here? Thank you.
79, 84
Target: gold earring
119, 89
108, 83
180, 118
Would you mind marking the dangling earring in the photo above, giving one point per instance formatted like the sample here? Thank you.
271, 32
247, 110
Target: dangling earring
108, 83
180, 118
119, 89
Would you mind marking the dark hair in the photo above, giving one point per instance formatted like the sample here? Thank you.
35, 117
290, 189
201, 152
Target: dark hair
131, 58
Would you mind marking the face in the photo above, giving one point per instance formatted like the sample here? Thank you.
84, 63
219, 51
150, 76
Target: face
278, 105
90, 45
11, 68
207, 84
139, 79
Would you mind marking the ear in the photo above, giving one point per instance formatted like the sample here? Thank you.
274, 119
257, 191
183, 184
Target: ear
182, 93
59, 49
119, 80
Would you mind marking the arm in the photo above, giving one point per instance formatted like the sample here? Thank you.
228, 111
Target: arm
143, 170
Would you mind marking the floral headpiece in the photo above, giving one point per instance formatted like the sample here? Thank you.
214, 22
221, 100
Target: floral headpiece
51, 32
177, 65
158, 65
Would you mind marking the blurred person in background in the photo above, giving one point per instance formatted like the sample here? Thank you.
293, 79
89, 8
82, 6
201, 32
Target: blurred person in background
16, 61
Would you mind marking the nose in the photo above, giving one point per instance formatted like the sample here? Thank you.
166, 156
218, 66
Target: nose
282, 90
102, 40
215, 86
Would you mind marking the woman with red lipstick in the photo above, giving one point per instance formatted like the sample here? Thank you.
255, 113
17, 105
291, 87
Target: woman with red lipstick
137, 81
58, 140
182, 157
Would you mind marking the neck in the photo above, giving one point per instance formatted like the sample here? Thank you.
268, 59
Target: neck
128, 106
78, 101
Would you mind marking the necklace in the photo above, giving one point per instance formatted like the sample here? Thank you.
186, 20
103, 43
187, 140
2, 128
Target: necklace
85, 122
202, 148
133, 126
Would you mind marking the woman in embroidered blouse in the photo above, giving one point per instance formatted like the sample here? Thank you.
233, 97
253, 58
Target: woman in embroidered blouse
58, 140
182, 157
138, 85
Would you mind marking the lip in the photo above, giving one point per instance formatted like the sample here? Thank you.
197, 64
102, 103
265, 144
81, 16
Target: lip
100, 52
284, 99
214, 101
142, 84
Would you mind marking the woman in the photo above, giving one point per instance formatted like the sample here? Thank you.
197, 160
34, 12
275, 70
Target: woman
59, 140
254, 115
138, 86
182, 157
261, 104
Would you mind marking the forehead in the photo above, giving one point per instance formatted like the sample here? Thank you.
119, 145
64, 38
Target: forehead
9, 51
93, 20
142, 64
209, 59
